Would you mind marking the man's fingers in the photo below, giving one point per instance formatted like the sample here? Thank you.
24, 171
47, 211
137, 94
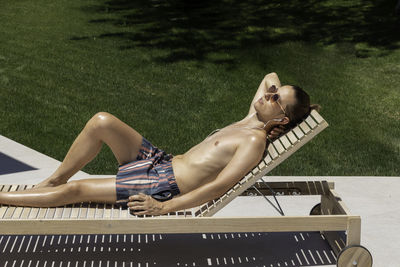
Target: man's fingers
277, 130
140, 197
137, 208
135, 204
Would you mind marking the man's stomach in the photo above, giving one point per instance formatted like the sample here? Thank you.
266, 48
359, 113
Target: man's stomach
190, 175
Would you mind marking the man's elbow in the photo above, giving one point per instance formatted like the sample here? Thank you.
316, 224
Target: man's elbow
272, 74
218, 190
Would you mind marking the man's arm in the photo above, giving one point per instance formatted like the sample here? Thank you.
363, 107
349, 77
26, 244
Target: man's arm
245, 158
269, 80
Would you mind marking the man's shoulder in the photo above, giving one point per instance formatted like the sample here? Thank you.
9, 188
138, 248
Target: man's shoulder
253, 140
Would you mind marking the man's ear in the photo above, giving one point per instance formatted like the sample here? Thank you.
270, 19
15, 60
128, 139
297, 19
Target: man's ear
285, 120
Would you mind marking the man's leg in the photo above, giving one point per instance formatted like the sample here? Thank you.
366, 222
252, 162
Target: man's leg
94, 190
103, 127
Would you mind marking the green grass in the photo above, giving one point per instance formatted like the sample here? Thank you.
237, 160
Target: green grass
176, 72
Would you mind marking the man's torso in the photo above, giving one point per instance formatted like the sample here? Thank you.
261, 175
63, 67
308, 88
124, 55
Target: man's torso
203, 162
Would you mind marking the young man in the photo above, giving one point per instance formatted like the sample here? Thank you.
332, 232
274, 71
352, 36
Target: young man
151, 182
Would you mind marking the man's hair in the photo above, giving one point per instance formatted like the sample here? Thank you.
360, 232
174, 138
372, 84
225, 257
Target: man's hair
296, 112
300, 109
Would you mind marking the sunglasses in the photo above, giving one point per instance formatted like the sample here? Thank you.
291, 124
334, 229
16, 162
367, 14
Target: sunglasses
275, 97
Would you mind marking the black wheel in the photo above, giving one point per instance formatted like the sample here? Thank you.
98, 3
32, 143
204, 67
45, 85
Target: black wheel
353, 256
316, 210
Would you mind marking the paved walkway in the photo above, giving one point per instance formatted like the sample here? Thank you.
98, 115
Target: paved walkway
375, 199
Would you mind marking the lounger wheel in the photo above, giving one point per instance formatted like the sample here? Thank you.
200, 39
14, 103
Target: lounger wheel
354, 256
316, 210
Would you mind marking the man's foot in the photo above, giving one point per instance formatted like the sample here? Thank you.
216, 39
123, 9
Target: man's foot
49, 182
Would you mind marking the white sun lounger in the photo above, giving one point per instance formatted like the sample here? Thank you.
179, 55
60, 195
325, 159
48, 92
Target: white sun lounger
96, 218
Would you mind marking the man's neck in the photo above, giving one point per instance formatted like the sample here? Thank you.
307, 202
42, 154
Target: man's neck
251, 121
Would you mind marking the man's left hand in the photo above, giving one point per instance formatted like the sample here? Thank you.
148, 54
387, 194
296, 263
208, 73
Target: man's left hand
145, 205
276, 132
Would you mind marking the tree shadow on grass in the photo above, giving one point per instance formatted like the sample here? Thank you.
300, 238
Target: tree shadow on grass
207, 30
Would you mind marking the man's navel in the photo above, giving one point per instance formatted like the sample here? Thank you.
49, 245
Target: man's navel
216, 143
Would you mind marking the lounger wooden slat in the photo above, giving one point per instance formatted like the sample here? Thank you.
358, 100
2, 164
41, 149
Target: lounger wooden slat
268, 160
255, 170
128, 213
33, 213
25, 213
317, 116
285, 141
106, 211
92, 210
272, 152
278, 146
9, 212
298, 132
83, 211
99, 210
262, 165
67, 211
311, 122
4, 210
125, 213
14, 187
58, 213
304, 127
50, 213
116, 212
245, 178
42, 213
75, 209
292, 138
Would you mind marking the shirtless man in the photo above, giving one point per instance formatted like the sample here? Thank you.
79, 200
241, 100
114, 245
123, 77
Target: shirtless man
203, 173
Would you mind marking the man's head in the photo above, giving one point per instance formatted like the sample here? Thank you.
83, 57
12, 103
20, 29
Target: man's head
288, 103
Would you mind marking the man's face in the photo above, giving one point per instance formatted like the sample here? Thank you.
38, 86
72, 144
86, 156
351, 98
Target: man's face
273, 104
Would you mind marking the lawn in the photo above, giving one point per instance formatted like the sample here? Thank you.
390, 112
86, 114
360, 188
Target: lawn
176, 70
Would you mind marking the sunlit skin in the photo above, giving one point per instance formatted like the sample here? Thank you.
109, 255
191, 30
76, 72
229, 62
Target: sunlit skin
204, 172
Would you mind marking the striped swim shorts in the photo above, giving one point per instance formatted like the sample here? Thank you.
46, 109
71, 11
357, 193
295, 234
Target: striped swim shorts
151, 174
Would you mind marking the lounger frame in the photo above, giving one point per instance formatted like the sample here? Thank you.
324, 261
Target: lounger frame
97, 218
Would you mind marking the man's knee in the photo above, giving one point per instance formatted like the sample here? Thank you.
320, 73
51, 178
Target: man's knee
100, 121
73, 188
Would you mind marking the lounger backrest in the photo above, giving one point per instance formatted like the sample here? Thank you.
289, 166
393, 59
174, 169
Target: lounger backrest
278, 151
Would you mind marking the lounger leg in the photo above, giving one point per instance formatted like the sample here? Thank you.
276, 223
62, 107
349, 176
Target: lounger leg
96, 190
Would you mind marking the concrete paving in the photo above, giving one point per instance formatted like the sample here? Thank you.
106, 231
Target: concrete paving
375, 199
